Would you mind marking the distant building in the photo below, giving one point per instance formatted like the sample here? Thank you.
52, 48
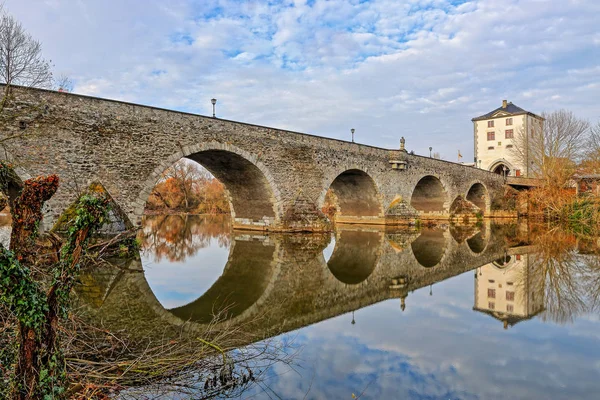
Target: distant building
587, 184
508, 290
494, 138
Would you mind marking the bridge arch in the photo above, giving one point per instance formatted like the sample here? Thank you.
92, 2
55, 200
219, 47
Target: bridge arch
429, 195
479, 195
356, 193
253, 194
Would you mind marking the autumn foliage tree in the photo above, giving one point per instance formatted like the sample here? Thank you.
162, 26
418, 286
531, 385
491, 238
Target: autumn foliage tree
553, 152
188, 188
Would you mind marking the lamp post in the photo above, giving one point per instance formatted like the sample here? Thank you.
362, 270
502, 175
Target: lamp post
352, 131
353, 321
213, 101
430, 148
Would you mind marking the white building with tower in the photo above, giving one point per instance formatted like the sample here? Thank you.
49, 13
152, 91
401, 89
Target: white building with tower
494, 138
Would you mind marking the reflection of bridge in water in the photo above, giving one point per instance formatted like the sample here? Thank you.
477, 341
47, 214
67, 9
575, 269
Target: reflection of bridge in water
279, 283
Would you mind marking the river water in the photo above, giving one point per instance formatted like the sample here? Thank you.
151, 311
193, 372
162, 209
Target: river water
499, 311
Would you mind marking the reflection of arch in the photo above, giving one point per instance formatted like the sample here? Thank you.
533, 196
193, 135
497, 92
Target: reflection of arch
355, 256
356, 194
503, 262
429, 248
252, 191
477, 243
244, 280
429, 195
460, 233
478, 195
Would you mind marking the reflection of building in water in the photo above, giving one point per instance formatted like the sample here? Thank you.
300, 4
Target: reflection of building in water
506, 289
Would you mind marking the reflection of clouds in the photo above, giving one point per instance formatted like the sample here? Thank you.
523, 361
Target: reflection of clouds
197, 249
328, 251
178, 283
441, 349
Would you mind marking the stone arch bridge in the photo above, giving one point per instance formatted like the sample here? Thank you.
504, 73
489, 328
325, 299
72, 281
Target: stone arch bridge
276, 179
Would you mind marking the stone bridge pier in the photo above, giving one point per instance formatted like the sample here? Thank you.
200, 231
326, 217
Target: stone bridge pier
275, 179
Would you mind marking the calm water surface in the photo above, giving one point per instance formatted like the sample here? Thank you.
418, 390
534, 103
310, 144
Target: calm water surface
496, 312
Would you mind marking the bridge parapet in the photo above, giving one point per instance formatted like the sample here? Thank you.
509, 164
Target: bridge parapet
524, 182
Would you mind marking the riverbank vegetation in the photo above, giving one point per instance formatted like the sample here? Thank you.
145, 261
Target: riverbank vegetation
562, 154
50, 350
186, 187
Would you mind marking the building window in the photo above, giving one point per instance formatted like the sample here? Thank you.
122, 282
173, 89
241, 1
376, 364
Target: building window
518, 257
491, 148
509, 134
509, 146
491, 136
510, 296
508, 121
491, 281
491, 293
509, 283
490, 124
491, 306
510, 308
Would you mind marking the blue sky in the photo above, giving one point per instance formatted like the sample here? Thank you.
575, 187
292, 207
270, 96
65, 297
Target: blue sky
389, 68
439, 348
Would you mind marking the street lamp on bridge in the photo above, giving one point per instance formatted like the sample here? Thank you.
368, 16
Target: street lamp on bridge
213, 101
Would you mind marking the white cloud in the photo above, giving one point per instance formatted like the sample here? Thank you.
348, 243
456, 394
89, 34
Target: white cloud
420, 69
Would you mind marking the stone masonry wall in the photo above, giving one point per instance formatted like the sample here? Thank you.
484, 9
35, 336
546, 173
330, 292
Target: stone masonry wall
126, 148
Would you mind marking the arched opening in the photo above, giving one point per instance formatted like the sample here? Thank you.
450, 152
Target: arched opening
189, 263
501, 169
477, 243
216, 182
250, 193
355, 256
477, 195
429, 248
429, 195
502, 262
353, 193
244, 280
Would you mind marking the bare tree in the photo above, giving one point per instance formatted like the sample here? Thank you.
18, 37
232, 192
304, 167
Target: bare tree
592, 153
551, 152
186, 174
64, 84
21, 61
